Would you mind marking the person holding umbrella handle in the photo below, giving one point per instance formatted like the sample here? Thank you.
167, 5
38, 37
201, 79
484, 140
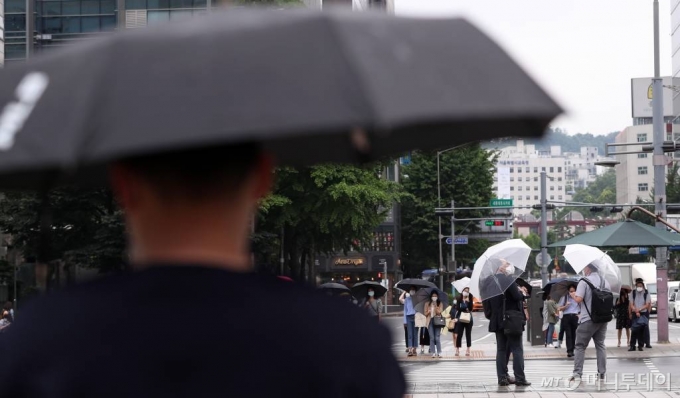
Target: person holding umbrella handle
410, 315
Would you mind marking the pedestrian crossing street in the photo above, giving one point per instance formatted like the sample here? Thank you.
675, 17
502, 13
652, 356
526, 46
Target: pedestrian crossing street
484, 372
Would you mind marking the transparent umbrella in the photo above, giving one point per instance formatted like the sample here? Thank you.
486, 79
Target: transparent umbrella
579, 256
498, 268
461, 284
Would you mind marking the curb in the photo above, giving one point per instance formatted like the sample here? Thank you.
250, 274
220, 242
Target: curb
483, 357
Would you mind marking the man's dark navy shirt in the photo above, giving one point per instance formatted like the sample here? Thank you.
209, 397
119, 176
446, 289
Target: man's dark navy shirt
182, 331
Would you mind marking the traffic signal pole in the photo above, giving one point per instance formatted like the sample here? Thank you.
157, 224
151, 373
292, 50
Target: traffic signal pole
544, 230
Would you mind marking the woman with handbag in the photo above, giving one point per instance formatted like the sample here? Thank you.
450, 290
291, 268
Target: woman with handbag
423, 334
451, 320
435, 322
464, 324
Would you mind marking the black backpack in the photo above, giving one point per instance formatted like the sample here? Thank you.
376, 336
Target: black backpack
602, 303
635, 291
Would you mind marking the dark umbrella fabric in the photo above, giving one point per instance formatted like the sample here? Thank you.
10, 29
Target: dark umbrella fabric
423, 297
405, 284
558, 288
628, 233
523, 283
360, 290
334, 288
341, 87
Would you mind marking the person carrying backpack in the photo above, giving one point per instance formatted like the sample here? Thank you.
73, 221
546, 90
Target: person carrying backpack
638, 311
593, 293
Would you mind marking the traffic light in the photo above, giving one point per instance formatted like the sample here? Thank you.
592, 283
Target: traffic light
494, 223
379, 275
548, 206
596, 209
616, 209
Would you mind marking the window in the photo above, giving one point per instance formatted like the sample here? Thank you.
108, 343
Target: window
51, 8
135, 4
512, 188
643, 187
90, 24
559, 188
512, 179
552, 169
535, 197
552, 188
535, 188
559, 197
542, 168
559, 178
512, 169
552, 197
526, 169
642, 170
527, 197
642, 137
519, 179
642, 156
535, 169
528, 188
15, 6
70, 8
511, 196
90, 7
559, 169
519, 169
536, 179
519, 188
159, 4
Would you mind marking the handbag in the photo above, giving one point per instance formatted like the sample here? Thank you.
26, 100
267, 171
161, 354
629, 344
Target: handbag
438, 321
451, 324
465, 317
513, 321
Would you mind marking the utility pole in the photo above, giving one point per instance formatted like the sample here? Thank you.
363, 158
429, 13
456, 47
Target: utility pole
453, 238
544, 229
439, 203
30, 27
659, 186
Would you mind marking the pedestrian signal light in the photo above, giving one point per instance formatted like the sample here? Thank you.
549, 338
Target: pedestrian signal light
494, 223
379, 275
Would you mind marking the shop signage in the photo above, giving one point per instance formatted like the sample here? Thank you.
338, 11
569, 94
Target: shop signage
349, 262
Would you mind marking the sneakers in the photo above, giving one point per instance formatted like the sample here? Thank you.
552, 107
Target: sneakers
503, 382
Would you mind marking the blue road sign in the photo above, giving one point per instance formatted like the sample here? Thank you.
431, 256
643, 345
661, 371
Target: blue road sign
460, 240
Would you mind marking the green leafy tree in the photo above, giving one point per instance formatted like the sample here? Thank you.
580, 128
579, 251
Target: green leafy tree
467, 178
322, 210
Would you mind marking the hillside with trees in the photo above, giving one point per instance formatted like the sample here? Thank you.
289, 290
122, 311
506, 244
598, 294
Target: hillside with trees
569, 143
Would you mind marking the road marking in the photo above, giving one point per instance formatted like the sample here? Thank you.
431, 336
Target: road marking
650, 365
482, 338
669, 325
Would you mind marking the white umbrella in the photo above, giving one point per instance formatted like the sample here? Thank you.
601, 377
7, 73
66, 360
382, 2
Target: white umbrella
485, 283
580, 256
461, 284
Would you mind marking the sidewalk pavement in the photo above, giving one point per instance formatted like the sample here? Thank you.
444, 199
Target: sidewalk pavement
552, 394
487, 352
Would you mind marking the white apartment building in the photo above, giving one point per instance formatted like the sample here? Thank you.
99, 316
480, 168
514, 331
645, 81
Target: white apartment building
582, 168
635, 173
518, 175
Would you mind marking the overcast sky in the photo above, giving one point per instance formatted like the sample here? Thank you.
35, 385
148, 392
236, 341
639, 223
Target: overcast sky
583, 52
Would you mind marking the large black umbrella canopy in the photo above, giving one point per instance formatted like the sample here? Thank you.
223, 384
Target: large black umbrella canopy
423, 297
312, 87
360, 290
406, 284
628, 233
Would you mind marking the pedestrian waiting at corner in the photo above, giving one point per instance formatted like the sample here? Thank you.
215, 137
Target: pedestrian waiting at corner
640, 305
570, 319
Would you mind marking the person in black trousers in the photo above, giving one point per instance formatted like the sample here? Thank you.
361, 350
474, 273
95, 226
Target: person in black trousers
570, 309
514, 297
464, 306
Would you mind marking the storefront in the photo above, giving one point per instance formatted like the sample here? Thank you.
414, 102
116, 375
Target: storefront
354, 268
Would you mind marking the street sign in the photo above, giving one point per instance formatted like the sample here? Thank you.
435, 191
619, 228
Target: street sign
460, 240
500, 203
638, 250
539, 257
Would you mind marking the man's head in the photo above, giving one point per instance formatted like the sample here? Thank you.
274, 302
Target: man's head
190, 192
639, 285
589, 269
506, 267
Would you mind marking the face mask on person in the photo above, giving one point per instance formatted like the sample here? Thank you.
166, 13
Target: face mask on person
509, 270
412, 292
465, 294
434, 298
371, 294
639, 289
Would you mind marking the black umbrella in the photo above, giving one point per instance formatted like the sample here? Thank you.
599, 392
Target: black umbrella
558, 288
423, 297
360, 290
523, 283
334, 288
341, 87
406, 284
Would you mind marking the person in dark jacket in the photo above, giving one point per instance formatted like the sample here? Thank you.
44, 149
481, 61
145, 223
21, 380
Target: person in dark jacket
464, 305
514, 297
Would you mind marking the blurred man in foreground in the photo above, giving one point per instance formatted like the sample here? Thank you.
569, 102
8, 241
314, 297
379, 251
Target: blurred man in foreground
193, 320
